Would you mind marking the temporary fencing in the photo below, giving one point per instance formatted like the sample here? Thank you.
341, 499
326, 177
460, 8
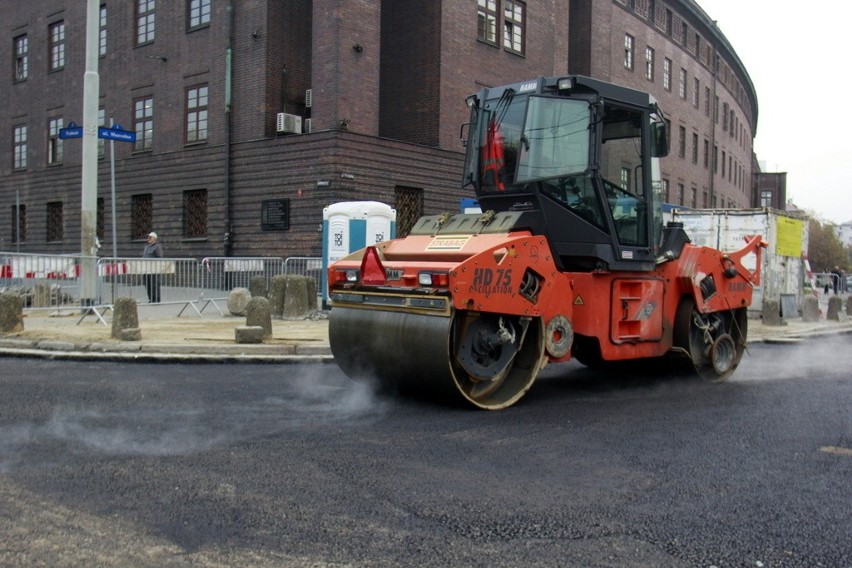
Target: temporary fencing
167, 280
53, 280
44, 280
227, 273
304, 265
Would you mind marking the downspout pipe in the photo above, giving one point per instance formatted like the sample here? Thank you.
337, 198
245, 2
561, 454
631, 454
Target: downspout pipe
227, 240
714, 112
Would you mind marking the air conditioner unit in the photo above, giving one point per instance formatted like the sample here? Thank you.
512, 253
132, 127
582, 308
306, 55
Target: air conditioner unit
308, 126
288, 123
309, 98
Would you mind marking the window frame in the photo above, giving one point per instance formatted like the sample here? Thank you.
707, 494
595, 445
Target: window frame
54, 142
101, 141
56, 46
487, 16
54, 222
21, 58
102, 30
146, 21
18, 221
667, 74
629, 43
649, 63
143, 124
192, 114
193, 199
19, 147
203, 17
695, 148
141, 203
514, 26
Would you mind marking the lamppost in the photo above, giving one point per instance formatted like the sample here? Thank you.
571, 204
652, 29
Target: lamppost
89, 182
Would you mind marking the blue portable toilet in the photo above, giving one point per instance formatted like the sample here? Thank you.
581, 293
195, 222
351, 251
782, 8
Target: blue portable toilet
349, 226
470, 205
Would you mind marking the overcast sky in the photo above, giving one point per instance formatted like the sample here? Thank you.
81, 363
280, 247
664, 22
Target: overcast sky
797, 55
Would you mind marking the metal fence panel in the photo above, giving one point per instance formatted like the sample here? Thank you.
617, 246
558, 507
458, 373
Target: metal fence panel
227, 273
176, 278
304, 265
53, 280
44, 280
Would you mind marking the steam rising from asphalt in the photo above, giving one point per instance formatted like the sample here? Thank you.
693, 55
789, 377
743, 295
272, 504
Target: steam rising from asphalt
807, 360
314, 400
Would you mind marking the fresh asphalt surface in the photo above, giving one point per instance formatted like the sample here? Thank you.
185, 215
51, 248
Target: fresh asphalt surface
134, 464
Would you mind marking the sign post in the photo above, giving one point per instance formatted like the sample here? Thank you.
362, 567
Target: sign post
113, 133
89, 182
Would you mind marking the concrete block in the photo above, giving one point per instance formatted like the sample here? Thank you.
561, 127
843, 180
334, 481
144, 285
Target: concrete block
238, 299
277, 289
296, 304
41, 295
249, 334
130, 334
835, 303
259, 313
312, 293
772, 312
810, 309
257, 287
849, 306
11, 313
125, 315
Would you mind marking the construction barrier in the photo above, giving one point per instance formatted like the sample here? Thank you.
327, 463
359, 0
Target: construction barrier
53, 280
45, 280
227, 273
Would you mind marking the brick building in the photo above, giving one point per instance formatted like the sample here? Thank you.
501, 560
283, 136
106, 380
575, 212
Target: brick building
251, 116
771, 189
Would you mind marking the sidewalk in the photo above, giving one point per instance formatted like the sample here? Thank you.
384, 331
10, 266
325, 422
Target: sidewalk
165, 337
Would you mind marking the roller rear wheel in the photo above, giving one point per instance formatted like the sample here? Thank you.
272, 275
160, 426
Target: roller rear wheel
713, 342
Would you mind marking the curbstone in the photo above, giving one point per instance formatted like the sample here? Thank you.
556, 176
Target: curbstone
115, 347
54, 345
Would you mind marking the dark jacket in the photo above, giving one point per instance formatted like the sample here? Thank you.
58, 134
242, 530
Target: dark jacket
153, 251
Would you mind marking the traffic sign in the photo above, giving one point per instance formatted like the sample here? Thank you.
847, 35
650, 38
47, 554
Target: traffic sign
73, 131
116, 133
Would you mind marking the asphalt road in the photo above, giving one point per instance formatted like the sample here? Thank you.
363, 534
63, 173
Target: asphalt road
262, 465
